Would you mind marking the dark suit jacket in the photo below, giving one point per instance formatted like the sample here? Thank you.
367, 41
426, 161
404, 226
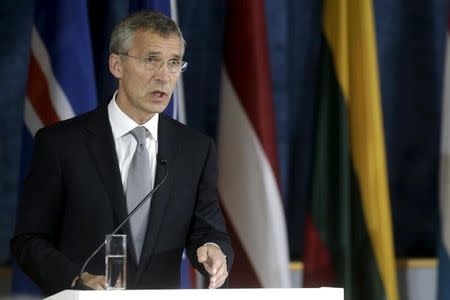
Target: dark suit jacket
73, 196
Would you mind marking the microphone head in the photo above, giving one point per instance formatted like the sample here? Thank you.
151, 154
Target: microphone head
161, 159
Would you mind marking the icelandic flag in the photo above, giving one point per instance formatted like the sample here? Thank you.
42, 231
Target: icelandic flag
60, 83
176, 110
444, 185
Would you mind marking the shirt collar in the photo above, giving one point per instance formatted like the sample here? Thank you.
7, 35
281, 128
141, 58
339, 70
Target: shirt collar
121, 124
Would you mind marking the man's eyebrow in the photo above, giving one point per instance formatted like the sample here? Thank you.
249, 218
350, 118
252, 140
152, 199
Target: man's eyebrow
159, 54
150, 53
176, 57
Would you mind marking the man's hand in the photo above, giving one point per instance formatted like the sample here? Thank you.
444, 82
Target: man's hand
215, 263
96, 282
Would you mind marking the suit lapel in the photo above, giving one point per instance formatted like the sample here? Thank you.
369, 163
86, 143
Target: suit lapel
166, 151
102, 148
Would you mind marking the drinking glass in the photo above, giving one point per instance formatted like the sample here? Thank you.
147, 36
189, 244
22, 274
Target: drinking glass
116, 261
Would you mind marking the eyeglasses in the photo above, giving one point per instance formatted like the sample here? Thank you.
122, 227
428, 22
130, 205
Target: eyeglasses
152, 63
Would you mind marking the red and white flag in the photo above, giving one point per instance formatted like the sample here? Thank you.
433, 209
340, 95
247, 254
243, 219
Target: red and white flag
248, 166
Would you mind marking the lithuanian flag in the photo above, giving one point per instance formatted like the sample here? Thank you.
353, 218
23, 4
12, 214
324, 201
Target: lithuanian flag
348, 239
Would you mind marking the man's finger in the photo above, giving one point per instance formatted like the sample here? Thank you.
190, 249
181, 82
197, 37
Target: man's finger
103, 282
96, 282
218, 279
202, 254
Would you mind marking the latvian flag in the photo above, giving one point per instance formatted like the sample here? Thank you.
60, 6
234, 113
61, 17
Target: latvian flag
248, 166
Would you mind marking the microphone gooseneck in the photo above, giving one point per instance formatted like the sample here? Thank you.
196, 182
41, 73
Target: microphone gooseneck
164, 163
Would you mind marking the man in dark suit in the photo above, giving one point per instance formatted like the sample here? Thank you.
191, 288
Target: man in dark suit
78, 186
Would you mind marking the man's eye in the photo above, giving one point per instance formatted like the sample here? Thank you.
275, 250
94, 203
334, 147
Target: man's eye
174, 62
151, 60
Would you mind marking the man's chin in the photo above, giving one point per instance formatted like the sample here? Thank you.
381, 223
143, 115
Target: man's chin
157, 109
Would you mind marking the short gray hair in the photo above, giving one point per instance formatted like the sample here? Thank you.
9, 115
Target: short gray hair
154, 21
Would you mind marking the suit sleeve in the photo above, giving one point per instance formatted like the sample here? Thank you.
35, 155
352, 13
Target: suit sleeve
208, 222
39, 219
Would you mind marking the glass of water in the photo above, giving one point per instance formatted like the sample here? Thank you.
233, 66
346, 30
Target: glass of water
116, 261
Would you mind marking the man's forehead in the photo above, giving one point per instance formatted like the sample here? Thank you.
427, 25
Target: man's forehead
150, 33
154, 42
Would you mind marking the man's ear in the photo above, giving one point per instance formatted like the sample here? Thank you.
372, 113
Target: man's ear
115, 65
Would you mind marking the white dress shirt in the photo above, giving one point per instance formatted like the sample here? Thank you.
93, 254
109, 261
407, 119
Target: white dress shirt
126, 144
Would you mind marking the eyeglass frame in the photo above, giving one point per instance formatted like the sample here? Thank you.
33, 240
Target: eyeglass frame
183, 64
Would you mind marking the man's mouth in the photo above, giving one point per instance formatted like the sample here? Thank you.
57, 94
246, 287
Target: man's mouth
159, 93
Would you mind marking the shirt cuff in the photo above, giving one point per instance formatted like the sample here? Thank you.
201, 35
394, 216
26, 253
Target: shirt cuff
212, 244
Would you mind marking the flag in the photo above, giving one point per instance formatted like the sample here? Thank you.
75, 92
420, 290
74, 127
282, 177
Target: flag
175, 110
104, 17
248, 166
60, 81
444, 184
348, 233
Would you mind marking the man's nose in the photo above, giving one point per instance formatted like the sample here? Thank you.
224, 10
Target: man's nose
162, 72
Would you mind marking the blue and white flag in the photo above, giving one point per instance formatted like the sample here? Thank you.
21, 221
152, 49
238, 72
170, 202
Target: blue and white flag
176, 108
444, 185
60, 83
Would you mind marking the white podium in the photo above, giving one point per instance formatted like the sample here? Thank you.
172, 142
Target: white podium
205, 294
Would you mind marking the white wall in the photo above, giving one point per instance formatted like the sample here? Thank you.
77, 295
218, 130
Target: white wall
416, 278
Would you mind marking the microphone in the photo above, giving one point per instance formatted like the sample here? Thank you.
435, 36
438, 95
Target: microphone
166, 171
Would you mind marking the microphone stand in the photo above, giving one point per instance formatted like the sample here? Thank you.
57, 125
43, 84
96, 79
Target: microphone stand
79, 285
